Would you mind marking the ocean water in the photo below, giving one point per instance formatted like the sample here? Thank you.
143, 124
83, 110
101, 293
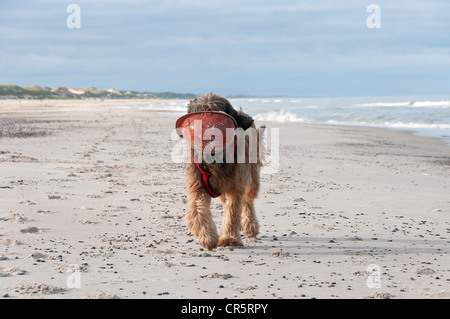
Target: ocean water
426, 115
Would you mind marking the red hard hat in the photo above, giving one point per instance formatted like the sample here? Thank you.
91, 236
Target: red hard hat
199, 127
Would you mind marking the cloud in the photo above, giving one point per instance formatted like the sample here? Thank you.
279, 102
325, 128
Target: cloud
253, 46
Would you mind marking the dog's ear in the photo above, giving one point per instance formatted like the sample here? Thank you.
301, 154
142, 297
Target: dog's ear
243, 120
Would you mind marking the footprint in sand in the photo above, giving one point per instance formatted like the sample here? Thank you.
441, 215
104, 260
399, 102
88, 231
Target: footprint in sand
45, 212
27, 202
54, 197
38, 289
7, 272
31, 230
14, 218
9, 242
38, 255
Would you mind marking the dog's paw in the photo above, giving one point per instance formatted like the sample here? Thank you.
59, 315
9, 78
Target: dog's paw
230, 241
250, 228
209, 242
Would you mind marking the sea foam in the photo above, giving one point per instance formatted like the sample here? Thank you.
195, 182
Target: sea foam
437, 104
281, 117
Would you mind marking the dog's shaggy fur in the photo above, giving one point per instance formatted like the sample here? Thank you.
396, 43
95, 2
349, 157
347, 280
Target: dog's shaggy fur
238, 184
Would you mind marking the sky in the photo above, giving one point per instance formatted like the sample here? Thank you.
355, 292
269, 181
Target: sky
247, 47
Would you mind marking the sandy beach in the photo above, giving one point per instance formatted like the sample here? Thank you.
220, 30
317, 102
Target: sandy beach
92, 206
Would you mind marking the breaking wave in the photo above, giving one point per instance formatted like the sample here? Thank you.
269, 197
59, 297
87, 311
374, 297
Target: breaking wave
432, 104
281, 117
417, 125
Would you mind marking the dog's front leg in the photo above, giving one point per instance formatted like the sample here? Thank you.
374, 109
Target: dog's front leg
231, 224
199, 219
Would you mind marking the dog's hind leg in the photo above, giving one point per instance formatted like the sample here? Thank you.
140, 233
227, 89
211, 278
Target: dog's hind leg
231, 224
199, 219
249, 222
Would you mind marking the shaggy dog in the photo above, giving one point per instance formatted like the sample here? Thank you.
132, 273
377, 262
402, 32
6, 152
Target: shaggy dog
236, 182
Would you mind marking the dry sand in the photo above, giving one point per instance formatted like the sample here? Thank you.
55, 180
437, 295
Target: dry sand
91, 206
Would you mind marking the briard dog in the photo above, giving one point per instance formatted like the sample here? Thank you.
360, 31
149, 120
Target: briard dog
235, 182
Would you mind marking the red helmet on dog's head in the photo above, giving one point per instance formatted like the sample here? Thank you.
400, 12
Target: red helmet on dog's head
198, 129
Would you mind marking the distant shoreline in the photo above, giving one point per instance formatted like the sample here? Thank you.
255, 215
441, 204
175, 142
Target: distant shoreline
11, 91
